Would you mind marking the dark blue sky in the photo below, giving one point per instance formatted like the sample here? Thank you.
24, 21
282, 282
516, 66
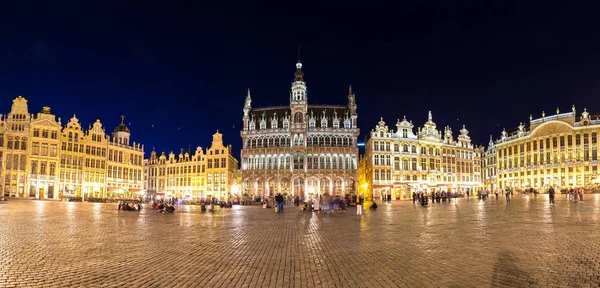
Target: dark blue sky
184, 67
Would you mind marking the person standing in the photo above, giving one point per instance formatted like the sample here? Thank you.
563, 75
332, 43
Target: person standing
580, 194
508, 194
551, 193
317, 204
359, 205
281, 203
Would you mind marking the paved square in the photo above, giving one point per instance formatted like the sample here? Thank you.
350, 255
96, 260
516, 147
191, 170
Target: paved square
468, 243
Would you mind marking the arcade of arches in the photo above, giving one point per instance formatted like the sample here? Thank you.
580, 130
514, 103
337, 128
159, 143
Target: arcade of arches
300, 186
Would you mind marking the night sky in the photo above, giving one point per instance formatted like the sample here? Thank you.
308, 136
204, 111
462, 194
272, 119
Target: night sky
180, 71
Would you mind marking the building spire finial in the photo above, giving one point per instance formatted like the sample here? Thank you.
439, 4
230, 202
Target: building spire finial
429, 116
122, 119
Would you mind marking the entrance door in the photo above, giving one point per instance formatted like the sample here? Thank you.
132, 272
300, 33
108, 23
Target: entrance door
32, 191
41, 193
51, 191
299, 187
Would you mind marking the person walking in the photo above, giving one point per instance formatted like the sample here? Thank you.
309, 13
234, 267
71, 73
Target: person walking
508, 195
551, 193
580, 194
359, 205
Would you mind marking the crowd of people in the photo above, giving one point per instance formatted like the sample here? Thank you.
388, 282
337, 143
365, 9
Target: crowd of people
163, 206
129, 206
423, 198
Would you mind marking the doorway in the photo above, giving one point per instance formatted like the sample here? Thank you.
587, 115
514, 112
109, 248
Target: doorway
51, 191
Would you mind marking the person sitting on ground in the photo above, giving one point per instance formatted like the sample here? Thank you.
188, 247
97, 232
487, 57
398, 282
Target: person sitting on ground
373, 206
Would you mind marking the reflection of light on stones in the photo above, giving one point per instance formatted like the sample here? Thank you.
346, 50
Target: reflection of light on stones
596, 204
97, 211
39, 208
481, 219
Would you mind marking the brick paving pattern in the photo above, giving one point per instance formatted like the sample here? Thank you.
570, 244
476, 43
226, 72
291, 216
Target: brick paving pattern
467, 243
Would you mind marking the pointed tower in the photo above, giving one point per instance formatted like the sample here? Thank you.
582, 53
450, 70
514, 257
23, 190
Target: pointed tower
298, 93
352, 106
247, 108
298, 108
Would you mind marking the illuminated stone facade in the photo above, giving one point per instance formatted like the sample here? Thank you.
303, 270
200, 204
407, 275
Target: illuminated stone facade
399, 163
300, 149
559, 151
195, 175
43, 160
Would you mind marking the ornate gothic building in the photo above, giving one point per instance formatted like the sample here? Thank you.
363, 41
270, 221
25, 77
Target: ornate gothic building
401, 162
300, 149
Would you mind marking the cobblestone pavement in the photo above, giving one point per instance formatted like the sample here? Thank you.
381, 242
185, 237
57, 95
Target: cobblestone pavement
467, 243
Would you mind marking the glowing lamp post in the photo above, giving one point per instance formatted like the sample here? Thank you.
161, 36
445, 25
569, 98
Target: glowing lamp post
365, 187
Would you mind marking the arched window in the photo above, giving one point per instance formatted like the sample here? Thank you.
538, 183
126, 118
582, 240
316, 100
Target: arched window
298, 118
33, 167
70, 136
298, 161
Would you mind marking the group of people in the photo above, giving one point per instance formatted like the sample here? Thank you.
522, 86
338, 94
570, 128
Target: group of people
574, 194
326, 204
129, 206
438, 197
163, 207
210, 204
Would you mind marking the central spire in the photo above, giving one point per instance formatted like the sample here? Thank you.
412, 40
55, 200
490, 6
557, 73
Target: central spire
299, 75
298, 92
